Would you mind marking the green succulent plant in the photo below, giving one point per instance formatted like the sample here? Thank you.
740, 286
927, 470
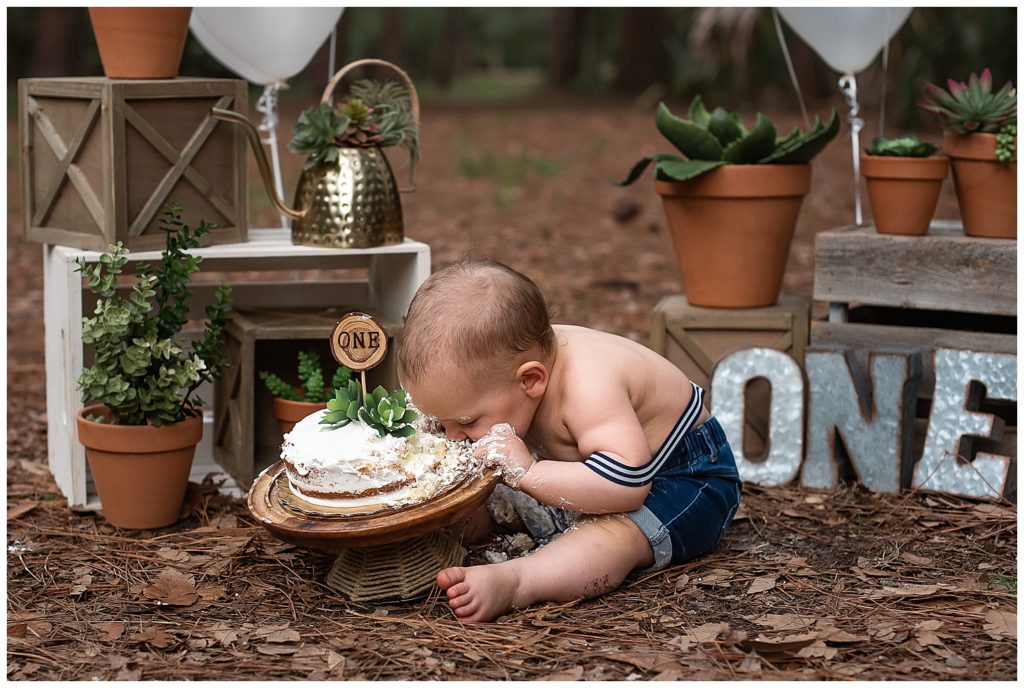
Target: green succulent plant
374, 114
902, 147
710, 140
972, 107
311, 380
141, 371
386, 412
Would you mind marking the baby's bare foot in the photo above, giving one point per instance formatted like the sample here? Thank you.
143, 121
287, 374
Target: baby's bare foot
480, 593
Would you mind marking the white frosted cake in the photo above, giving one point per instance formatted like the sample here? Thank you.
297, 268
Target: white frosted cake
352, 466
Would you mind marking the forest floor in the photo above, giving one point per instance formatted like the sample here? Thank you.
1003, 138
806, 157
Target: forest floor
806, 584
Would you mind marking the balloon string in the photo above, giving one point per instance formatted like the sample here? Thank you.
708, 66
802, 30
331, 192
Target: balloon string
848, 87
267, 105
789, 66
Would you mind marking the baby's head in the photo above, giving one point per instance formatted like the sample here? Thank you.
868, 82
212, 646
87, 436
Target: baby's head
475, 329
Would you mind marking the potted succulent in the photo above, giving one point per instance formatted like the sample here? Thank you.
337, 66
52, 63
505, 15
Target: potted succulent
345, 143
980, 139
291, 403
904, 178
732, 200
142, 419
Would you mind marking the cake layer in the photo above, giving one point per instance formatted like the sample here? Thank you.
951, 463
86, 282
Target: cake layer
352, 465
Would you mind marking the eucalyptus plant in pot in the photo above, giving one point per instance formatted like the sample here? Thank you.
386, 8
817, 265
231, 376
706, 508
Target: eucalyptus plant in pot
142, 418
980, 139
904, 178
293, 403
732, 200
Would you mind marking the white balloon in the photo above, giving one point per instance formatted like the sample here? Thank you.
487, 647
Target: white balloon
847, 38
263, 44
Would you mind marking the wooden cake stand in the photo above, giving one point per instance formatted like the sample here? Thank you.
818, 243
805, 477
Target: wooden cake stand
389, 555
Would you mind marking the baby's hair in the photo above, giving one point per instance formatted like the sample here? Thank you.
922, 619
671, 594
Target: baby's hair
472, 312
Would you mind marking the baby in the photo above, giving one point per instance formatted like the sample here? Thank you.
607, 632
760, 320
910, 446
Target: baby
578, 419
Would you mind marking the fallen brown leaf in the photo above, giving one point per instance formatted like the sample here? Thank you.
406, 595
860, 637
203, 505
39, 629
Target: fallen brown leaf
762, 584
172, 587
154, 636
1001, 624
17, 510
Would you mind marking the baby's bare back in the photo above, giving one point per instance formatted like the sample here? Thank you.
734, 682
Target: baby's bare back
601, 368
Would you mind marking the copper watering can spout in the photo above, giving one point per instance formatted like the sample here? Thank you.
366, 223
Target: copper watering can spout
261, 159
352, 202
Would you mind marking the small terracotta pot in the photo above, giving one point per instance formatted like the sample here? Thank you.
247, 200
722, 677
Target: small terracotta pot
140, 42
288, 413
732, 228
985, 188
140, 471
903, 191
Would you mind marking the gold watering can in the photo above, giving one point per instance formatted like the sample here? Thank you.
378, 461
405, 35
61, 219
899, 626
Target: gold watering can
350, 203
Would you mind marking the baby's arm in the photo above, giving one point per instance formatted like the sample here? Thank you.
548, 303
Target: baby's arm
614, 432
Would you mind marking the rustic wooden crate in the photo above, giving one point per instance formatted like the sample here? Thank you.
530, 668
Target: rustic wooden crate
246, 435
100, 158
943, 270
695, 339
944, 289
941, 289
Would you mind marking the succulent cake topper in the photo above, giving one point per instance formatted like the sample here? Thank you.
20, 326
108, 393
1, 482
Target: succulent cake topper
386, 412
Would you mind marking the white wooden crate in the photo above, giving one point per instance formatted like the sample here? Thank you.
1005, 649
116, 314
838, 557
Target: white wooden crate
392, 275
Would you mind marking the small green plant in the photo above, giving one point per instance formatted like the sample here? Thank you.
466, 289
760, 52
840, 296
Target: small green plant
710, 140
375, 114
972, 107
1006, 143
142, 372
386, 412
902, 147
311, 380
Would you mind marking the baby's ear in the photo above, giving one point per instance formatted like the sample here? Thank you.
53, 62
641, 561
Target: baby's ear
533, 376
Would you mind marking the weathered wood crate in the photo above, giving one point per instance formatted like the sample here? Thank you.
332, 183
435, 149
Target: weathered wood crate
246, 435
696, 338
100, 158
943, 289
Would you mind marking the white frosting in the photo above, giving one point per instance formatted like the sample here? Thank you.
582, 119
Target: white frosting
353, 459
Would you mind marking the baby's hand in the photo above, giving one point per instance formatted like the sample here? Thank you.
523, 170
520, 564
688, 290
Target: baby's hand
501, 447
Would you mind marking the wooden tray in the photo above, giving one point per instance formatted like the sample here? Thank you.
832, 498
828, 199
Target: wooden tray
304, 524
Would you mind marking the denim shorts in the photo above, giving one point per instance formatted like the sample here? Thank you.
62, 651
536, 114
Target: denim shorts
693, 497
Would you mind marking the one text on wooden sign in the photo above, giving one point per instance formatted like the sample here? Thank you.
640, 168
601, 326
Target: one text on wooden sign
358, 341
873, 420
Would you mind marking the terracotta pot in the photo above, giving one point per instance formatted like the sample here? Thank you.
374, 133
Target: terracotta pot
140, 471
140, 42
903, 191
985, 188
732, 228
288, 413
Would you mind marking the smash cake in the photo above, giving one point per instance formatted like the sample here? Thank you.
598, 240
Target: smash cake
372, 461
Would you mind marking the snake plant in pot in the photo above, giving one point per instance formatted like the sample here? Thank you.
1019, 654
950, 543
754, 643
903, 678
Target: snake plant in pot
732, 200
143, 419
980, 139
904, 178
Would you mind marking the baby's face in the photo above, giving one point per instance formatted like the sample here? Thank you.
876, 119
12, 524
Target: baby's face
467, 409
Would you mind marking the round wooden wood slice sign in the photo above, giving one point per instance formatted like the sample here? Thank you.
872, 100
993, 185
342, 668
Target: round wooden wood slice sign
359, 341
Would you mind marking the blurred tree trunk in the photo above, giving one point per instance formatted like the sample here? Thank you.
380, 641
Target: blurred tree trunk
53, 45
446, 57
565, 43
391, 40
641, 59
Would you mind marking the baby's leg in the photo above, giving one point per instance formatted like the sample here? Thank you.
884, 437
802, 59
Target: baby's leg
586, 561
